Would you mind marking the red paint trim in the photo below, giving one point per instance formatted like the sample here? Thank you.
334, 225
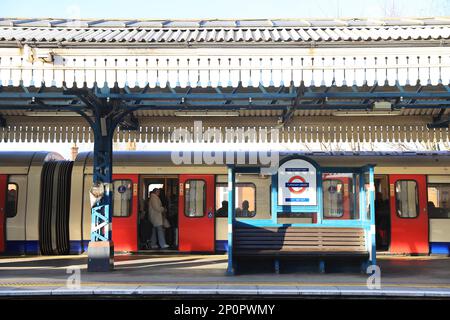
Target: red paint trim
125, 229
409, 235
3, 192
196, 234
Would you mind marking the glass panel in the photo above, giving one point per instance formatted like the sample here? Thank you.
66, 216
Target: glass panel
340, 196
245, 197
367, 192
11, 200
194, 198
122, 196
406, 198
439, 201
333, 198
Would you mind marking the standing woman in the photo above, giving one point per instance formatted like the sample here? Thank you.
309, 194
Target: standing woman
156, 210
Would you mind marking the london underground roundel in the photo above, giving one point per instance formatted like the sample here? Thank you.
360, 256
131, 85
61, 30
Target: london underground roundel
297, 183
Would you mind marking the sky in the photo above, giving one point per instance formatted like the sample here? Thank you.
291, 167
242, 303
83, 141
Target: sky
209, 9
234, 9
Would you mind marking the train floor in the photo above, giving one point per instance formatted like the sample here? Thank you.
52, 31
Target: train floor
174, 275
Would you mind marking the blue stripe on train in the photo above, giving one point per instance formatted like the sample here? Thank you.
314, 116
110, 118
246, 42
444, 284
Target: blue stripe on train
22, 247
222, 245
440, 248
79, 246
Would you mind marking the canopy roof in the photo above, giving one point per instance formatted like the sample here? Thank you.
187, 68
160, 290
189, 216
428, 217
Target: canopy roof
263, 31
276, 69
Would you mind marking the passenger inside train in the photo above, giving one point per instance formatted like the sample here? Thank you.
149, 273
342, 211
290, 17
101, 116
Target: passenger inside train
223, 210
159, 215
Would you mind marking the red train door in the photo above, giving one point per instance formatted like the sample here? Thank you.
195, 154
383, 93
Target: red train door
125, 218
409, 216
3, 191
196, 213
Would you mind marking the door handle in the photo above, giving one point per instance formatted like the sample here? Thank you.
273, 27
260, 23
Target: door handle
210, 214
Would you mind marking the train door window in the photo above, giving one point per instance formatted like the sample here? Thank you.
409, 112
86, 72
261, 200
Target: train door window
439, 201
122, 197
194, 199
11, 200
406, 198
333, 198
245, 200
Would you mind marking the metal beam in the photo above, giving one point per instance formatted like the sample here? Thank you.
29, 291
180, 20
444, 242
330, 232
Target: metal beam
290, 110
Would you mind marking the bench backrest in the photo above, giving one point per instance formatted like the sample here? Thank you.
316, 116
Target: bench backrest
299, 239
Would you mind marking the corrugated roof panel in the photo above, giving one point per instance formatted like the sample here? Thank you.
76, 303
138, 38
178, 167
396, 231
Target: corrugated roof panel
313, 34
229, 35
220, 35
210, 36
140, 35
323, 35
293, 35
101, 35
252, 31
88, 35
341, 34
275, 35
183, 36
192, 36
266, 35
153, 37
238, 35
112, 35
172, 36
285, 36
368, 33
304, 35
248, 35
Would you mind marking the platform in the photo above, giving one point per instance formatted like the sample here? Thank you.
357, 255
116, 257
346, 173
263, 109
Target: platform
197, 275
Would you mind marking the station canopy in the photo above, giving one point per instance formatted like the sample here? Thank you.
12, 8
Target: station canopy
327, 80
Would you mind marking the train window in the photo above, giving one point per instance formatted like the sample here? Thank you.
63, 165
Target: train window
194, 198
439, 201
333, 198
122, 197
406, 198
245, 200
11, 200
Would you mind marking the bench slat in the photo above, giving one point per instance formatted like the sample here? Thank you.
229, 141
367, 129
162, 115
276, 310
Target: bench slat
299, 241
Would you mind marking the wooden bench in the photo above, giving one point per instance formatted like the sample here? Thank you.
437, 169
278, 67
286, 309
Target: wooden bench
290, 242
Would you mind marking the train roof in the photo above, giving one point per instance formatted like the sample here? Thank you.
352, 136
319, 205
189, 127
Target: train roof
157, 158
18, 162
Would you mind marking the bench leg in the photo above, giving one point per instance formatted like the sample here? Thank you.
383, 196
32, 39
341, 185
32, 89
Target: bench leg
231, 269
322, 266
364, 265
277, 266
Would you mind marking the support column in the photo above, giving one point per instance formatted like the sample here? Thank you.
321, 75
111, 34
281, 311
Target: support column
103, 115
101, 247
231, 218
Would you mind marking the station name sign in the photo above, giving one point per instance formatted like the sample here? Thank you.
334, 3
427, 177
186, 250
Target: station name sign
297, 183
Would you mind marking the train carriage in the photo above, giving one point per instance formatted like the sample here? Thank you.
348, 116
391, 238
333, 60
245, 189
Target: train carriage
412, 206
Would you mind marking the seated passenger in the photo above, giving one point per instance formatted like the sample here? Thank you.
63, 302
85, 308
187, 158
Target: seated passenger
245, 212
223, 211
